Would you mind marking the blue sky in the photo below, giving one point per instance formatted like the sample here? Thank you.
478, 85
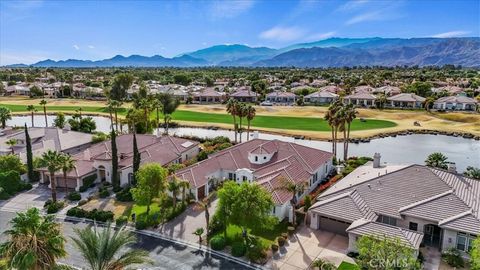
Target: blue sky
36, 30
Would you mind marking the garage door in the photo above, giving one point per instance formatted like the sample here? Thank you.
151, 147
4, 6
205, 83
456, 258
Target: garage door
333, 225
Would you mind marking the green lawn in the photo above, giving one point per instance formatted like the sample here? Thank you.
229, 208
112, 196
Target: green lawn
266, 236
261, 121
347, 266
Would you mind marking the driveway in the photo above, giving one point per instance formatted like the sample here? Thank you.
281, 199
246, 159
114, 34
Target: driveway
34, 197
307, 245
185, 224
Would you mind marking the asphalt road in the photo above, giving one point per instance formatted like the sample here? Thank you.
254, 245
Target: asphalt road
165, 254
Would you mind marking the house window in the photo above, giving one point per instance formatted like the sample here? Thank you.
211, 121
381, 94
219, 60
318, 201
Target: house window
265, 157
244, 178
273, 211
413, 226
130, 179
256, 158
388, 220
465, 241
231, 176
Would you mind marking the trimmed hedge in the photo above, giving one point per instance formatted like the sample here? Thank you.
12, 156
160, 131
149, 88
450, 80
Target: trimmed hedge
88, 182
74, 196
98, 215
124, 195
12, 183
103, 192
53, 207
218, 242
238, 249
122, 220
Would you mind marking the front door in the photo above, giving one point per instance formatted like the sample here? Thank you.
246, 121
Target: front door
432, 235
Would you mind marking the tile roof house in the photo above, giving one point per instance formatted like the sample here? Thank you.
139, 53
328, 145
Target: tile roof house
320, 97
363, 89
44, 139
268, 163
244, 95
332, 89
415, 203
362, 99
96, 160
208, 95
405, 100
387, 90
456, 103
281, 97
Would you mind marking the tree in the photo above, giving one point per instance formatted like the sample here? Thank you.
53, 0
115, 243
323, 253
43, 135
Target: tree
121, 83
381, 101
427, 104
250, 112
331, 117
34, 242
12, 163
66, 164
5, 114
475, 254
204, 205
169, 105
82, 124
59, 121
437, 160
105, 249
52, 159
43, 103
145, 105
115, 177
12, 143
241, 112
350, 113
151, 182
232, 110
184, 185
293, 189
32, 111
174, 188
113, 106
385, 252
136, 157
472, 172
28, 142
199, 232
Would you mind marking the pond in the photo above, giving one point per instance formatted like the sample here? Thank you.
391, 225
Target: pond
399, 150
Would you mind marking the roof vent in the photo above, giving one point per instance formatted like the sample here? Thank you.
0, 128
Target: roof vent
376, 160
452, 168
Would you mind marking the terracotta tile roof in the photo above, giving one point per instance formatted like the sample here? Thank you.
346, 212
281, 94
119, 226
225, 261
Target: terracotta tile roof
322, 94
361, 95
244, 93
457, 99
406, 97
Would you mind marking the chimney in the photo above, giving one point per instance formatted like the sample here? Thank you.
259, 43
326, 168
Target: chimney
376, 160
452, 168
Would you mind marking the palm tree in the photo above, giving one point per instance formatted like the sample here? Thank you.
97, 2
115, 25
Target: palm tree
43, 102
241, 112
250, 115
184, 185
350, 115
437, 160
174, 187
102, 249
294, 189
52, 159
472, 172
110, 111
199, 232
145, 105
232, 110
381, 101
157, 105
332, 118
114, 105
5, 114
66, 164
11, 143
427, 103
204, 205
32, 111
35, 242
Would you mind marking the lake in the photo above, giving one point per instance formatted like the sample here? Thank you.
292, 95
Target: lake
399, 150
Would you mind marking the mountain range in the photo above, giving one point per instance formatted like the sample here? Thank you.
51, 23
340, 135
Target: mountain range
332, 52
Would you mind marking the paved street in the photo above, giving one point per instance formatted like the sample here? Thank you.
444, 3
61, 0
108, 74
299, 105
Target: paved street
165, 254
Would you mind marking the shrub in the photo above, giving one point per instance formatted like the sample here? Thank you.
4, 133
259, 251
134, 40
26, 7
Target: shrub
257, 254
218, 242
104, 193
238, 249
202, 155
141, 224
82, 202
54, 207
274, 248
222, 146
216, 224
88, 182
307, 203
3, 195
74, 196
11, 182
281, 241
100, 215
124, 195
453, 257
122, 220
76, 212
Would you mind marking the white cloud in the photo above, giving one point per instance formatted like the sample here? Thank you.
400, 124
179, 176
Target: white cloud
91, 47
458, 33
76, 47
369, 16
320, 36
351, 5
229, 9
282, 33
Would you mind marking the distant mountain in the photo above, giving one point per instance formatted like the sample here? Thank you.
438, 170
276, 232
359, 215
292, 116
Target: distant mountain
332, 52
329, 42
224, 54
421, 52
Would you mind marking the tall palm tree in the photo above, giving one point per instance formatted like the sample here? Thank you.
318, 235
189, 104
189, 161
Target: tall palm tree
241, 112
11, 143
5, 114
184, 185
145, 105
350, 115
52, 159
104, 249
292, 188
43, 102
66, 164
232, 110
110, 112
114, 106
34, 242
174, 187
32, 111
332, 118
157, 106
250, 115
204, 205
